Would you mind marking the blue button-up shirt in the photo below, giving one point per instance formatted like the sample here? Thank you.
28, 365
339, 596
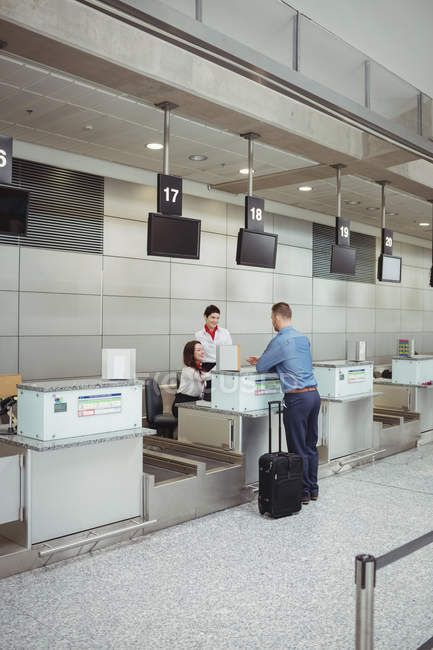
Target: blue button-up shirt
289, 355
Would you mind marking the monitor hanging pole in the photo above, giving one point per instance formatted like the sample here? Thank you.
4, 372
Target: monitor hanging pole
431, 270
338, 169
167, 107
250, 137
383, 184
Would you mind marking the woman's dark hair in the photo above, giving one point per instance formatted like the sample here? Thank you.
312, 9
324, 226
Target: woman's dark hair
188, 354
211, 309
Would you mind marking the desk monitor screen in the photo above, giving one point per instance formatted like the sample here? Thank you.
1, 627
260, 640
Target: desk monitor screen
256, 249
389, 268
13, 210
173, 236
343, 259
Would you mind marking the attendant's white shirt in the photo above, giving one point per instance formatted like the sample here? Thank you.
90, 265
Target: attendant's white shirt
222, 337
192, 382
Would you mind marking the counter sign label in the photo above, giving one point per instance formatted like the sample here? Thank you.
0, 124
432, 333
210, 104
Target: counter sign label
89, 405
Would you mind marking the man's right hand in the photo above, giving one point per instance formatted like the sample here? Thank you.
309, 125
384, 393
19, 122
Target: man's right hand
252, 360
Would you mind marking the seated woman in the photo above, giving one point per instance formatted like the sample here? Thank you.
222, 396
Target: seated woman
193, 378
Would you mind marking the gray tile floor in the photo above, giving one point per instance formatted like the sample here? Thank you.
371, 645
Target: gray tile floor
237, 580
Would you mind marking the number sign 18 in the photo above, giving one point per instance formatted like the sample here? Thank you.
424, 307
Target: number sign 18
254, 213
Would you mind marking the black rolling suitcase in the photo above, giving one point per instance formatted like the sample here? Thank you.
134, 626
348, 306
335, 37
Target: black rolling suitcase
280, 477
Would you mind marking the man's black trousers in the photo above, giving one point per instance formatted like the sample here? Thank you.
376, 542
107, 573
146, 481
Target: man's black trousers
300, 414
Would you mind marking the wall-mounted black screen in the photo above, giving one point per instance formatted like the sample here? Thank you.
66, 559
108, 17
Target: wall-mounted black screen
256, 249
343, 259
170, 236
389, 268
13, 210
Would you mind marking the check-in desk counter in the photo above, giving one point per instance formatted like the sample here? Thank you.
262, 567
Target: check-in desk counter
346, 413
410, 389
56, 484
237, 417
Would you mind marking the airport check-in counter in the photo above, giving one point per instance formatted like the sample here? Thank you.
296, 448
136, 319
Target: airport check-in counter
74, 465
346, 413
410, 389
236, 419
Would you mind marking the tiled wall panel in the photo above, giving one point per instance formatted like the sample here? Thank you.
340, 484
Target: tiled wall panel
329, 293
49, 357
135, 316
129, 277
9, 313
8, 355
243, 317
55, 314
9, 266
293, 289
60, 271
249, 286
191, 282
294, 261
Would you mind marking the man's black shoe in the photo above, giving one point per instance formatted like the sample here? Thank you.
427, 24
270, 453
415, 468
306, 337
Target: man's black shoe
305, 499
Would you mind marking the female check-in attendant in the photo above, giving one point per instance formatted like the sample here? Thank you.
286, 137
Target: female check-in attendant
193, 377
212, 335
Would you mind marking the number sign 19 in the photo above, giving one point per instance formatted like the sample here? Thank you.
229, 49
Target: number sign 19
342, 232
169, 195
387, 241
5, 160
254, 214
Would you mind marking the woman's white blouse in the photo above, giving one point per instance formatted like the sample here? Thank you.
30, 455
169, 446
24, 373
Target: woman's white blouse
192, 382
222, 337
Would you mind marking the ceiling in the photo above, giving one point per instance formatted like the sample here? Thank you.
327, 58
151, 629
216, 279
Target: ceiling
43, 106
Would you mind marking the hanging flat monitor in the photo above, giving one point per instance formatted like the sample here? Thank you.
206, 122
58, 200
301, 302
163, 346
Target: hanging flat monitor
389, 268
13, 210
343, 259
170, 236
256, 249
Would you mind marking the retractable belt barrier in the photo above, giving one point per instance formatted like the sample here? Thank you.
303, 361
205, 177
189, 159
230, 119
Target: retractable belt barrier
366, 567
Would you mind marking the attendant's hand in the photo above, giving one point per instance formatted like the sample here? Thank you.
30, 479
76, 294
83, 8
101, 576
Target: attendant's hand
252, 360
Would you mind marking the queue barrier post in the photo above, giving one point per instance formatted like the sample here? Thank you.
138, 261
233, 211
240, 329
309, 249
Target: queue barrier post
365, 580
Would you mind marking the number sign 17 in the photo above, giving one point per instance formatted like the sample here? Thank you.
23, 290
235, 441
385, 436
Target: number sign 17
169, 196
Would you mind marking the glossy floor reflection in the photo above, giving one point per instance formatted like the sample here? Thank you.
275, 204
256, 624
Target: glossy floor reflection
237, 580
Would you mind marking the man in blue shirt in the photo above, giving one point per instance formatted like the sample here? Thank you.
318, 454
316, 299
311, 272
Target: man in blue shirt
289, 355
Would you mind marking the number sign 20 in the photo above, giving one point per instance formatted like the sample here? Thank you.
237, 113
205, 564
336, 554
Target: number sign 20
169, 195
387, 241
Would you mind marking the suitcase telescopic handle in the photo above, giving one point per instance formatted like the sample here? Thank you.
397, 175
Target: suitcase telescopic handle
270, 405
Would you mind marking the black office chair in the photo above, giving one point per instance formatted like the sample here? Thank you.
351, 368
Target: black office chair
164, 423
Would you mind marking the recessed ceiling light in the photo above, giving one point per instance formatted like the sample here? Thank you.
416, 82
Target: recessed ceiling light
423, 223
245, 170
155, 145
87, 127
197, 157
305, 188
391, 214
371, 208
352, 202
